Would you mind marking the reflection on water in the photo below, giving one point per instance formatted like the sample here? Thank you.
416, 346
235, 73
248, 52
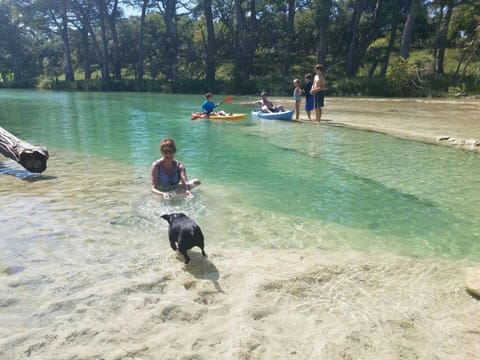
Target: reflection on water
265, 183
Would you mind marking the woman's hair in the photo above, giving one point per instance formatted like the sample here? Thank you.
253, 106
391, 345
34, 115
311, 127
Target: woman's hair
318, 67
295, 81
167, 144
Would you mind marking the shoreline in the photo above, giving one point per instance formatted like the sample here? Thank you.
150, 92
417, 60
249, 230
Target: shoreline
384, 118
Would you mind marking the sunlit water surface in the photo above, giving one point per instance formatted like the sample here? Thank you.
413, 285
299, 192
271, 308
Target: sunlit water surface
268, 184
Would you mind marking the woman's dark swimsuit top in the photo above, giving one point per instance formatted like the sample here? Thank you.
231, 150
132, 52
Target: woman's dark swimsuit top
168, 181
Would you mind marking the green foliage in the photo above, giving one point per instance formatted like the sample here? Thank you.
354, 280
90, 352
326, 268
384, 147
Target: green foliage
361, 86
400, 76
31, 48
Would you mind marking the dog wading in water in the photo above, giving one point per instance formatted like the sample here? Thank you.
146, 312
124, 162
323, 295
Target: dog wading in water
184, 234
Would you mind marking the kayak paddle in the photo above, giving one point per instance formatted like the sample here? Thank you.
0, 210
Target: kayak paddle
227, 100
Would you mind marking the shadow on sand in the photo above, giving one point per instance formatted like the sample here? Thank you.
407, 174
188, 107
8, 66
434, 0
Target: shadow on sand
202, 268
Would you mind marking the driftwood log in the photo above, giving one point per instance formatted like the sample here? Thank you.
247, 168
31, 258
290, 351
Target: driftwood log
32, 158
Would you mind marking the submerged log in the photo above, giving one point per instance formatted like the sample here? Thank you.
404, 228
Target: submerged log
33, 158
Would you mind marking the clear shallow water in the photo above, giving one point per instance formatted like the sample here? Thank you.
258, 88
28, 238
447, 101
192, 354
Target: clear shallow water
265, 183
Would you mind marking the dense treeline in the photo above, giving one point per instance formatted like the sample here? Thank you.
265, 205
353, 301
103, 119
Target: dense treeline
369, 47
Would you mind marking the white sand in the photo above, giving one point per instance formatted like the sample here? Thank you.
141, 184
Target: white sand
455, 120
240, 304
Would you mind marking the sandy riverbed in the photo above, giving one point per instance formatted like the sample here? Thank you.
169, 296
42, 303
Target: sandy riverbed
240, 304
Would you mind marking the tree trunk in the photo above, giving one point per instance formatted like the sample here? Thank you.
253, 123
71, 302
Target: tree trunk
33, 158
357, 13
322, 16
17, 71
211, 43
86, 53
442, 39
391, 44
239, 40
103, 32
475, 49
96, 46
408, 29
170, 17
289, 37
245, 40
112, 18
141, 45
364, 43
69, 74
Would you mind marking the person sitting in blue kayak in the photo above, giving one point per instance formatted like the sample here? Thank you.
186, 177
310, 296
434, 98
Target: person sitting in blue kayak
267, 105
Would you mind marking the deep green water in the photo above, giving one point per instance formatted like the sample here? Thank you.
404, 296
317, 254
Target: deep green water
339, 187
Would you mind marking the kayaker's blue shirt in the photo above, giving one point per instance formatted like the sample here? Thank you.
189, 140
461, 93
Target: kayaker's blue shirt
208, 106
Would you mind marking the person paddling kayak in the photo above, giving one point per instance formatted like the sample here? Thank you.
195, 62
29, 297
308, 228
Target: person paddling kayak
207, 108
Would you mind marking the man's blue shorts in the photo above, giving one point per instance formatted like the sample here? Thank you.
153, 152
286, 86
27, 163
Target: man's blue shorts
319, 99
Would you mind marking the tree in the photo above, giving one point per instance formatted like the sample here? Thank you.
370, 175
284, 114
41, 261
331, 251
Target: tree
408, 28
141, 38
102, 13
210, 46
289, 36
83, 11
322, 12
245, 38
442, 39
168, 9
112, 22
467, 30
52, 16
360, 41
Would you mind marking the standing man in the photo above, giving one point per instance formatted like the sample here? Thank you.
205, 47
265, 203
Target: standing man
318, 90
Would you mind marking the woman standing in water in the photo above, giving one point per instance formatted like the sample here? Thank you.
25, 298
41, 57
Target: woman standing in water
168, 174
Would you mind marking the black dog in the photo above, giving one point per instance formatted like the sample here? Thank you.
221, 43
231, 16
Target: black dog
185, 233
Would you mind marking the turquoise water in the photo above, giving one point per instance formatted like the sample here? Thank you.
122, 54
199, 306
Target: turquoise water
291, 184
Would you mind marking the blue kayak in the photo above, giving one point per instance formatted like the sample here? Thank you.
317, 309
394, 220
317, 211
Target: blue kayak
281, 115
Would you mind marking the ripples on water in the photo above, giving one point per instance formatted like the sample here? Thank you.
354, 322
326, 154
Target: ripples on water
265, 183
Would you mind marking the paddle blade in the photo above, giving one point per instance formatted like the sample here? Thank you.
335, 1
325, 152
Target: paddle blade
228, 99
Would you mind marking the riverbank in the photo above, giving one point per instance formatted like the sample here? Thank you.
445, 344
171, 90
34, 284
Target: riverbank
462, 130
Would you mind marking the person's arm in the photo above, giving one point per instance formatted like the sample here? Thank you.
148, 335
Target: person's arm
204, 107
184, 180
155, 174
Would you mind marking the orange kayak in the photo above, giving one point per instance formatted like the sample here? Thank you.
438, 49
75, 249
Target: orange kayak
230, 116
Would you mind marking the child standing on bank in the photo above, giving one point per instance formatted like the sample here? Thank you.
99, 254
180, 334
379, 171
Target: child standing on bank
297, 96
309, 98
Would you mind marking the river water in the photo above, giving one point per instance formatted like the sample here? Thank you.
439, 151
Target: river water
323, 242
268, 184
